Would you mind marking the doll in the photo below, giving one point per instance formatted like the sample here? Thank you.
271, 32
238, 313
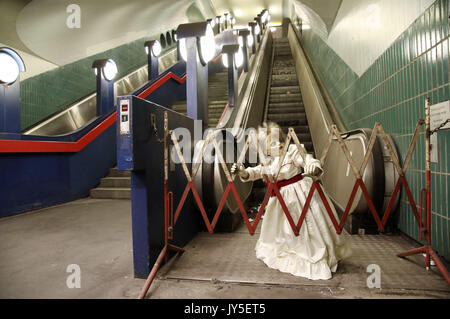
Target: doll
315, 253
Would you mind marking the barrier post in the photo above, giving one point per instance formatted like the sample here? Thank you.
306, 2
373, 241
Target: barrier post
427, 249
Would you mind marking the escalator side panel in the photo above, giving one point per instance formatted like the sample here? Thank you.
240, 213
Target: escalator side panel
338, 178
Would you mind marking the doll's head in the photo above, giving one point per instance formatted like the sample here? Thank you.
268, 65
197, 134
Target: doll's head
271, 138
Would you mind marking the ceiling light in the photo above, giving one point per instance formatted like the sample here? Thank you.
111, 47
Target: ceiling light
11, 64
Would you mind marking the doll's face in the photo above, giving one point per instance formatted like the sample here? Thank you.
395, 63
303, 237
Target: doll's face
269, 139
274, 149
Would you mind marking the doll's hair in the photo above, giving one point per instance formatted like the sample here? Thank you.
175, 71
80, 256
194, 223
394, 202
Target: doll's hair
274, 129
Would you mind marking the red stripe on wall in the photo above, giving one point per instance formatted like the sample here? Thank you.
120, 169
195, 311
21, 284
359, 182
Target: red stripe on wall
20, 146
160, 82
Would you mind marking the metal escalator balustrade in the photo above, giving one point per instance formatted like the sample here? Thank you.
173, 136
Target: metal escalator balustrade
285, 105
83, 112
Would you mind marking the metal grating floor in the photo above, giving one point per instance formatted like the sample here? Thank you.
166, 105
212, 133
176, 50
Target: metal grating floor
230, 257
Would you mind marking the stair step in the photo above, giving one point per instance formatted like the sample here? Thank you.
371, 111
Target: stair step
217, 103
114, 172
115, 193
215, 112
120, 182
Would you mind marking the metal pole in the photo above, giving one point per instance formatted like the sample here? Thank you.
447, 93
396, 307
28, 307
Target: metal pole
152, 274
196, 84
245, 49
428, 177
232, 81
166, 184
152, 62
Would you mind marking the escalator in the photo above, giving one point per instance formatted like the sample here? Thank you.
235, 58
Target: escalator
294, 98
285, 104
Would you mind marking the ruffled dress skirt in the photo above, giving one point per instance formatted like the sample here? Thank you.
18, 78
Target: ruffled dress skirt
315, 253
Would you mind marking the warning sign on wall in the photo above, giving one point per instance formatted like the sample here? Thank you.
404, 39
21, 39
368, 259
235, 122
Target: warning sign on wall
439, 113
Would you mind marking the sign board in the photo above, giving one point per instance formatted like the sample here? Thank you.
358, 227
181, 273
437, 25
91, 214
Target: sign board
124, 117
439, 113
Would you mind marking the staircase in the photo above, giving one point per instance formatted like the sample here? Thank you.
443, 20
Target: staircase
217, 98
285, 101
116, 185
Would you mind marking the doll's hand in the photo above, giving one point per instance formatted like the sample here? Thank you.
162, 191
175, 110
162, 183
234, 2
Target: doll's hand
240, 170
313, 169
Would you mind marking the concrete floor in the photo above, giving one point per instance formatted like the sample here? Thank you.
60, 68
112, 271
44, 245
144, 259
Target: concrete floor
37, 247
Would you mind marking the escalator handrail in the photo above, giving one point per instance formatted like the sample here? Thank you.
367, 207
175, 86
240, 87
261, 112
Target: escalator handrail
160, 81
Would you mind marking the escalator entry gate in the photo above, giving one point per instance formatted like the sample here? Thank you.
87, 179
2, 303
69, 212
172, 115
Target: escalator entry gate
171, 217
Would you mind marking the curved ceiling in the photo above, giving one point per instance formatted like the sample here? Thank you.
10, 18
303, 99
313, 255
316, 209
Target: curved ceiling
39, 27
245, 11
9, 10
104, 25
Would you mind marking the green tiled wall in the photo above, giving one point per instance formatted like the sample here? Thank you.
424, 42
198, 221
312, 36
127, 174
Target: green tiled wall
393, 92
49, 92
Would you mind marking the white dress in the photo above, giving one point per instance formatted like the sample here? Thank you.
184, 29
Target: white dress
315, 253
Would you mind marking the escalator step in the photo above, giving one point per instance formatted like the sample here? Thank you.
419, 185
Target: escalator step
283, 64
285, 98
290, 120
284, 89
286, 104
299, 129
304, 137
283, 52
276, 110
283, 71
287, 82
308, 146
288, 116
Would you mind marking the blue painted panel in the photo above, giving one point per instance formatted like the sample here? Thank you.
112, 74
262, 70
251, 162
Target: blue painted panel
148, 206
139, 218
37, 180
10, 108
